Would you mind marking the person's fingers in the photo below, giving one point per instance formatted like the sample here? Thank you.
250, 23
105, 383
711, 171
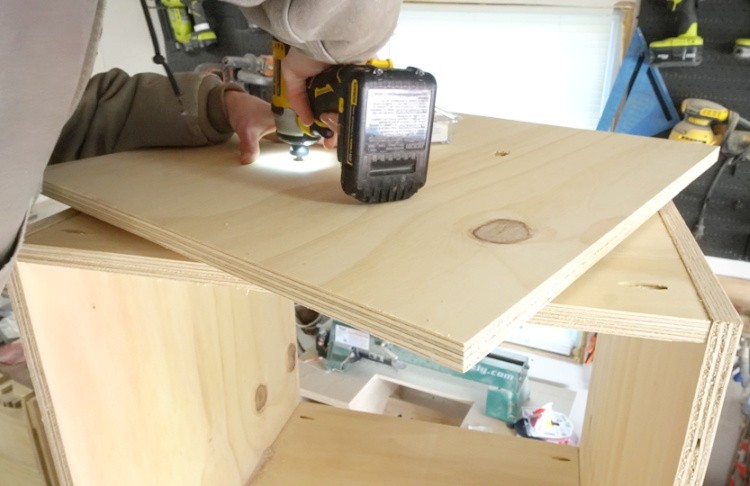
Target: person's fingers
296, 94
251, 118
249, 147
332, 120
296, 67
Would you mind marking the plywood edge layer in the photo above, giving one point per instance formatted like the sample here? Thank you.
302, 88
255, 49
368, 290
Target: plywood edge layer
132, 265
442, 349
719, 358
629, 324
114, 253
74, 239
38, 378
360, 448
718, 305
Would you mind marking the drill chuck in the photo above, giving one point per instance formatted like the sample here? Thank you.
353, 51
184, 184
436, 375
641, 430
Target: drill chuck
288, 131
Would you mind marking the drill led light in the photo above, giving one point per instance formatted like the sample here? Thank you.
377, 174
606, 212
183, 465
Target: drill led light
281, 162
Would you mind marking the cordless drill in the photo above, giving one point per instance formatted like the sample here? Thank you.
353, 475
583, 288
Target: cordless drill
686, 48
190, 26
384, 128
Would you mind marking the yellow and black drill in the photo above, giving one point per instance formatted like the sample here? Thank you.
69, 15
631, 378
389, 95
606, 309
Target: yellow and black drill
384, 128
712, 124
189, 24
686, 48
702, 117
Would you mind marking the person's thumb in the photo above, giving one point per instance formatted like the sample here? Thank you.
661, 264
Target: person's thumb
249, 147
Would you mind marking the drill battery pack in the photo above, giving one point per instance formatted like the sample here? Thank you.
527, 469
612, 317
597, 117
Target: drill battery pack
385, 127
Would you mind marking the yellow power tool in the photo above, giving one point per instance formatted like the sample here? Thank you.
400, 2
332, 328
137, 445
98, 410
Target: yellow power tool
713, 124
686, 48
702, 122
385, 118
189, 24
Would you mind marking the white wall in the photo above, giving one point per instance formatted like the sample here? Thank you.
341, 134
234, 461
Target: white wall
532, 63
125, 42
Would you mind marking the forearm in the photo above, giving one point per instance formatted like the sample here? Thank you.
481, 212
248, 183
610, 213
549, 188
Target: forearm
333, 31
119, 112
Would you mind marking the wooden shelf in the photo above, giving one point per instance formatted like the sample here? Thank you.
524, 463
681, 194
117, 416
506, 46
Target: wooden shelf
368, 449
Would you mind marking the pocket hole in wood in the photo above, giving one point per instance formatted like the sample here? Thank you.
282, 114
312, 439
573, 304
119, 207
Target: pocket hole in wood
643, 285
291, 358
561, 459
306, 417
261, 397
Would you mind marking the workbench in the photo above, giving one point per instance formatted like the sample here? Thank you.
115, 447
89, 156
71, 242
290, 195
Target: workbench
154, 368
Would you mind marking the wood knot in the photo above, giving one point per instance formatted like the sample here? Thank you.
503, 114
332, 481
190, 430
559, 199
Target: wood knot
261, 397
503, 231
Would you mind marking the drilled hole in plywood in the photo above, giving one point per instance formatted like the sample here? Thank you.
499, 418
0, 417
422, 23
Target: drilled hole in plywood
644, 285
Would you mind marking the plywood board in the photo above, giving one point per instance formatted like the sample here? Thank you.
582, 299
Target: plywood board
667, 396
366, 449
155, 379
642, 288
412, 272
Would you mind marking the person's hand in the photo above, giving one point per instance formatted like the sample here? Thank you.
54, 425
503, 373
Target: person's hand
332, 120
251, 119
296, 67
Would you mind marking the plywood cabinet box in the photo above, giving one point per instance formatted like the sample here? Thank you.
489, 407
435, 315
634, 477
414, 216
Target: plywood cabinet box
160, 370
153, 368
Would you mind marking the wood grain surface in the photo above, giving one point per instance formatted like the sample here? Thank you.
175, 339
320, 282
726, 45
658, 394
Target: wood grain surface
412, 272
155, 379
641, 289
367, 449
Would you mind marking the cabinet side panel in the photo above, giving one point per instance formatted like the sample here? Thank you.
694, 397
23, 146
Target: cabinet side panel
159, 381
640, 401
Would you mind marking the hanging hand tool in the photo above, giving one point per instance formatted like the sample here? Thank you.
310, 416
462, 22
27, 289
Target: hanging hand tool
710, 123
189, 24
701, 116
686, 49
742, 48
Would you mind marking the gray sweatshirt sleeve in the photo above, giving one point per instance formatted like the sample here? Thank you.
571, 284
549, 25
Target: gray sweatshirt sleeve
119, 112
334, 31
